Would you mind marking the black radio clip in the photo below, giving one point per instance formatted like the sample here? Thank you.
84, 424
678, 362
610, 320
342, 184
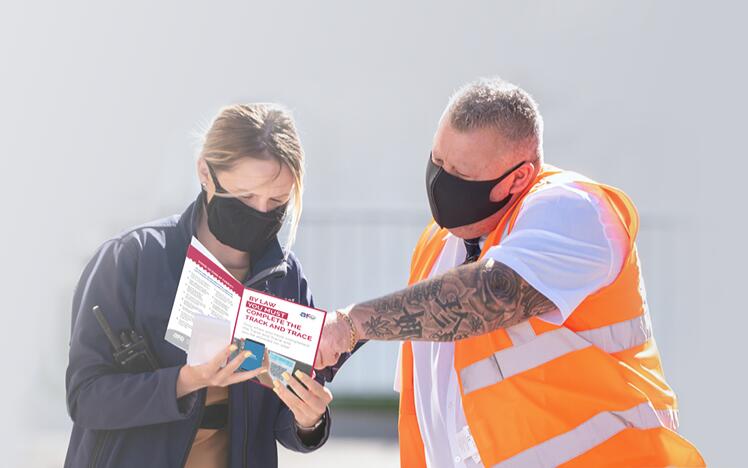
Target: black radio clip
131, 351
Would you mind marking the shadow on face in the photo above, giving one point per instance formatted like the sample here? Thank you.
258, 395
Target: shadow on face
263, 184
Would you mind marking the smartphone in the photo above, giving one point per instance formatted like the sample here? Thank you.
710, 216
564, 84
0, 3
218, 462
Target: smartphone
258, 353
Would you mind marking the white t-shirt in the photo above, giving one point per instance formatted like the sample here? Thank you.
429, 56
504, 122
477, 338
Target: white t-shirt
567, 244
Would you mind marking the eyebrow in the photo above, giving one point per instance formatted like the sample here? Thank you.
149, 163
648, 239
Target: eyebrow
245, 193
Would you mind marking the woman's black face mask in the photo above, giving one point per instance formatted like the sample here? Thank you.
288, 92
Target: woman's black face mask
458, 202
238, 225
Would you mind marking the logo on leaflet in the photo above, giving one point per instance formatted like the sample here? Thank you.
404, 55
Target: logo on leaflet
307, 315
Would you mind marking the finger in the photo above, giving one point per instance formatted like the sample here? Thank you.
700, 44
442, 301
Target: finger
319, 405
315, 404
314, 387
220, 358
305, 395
299, 408
244, 376
232, 366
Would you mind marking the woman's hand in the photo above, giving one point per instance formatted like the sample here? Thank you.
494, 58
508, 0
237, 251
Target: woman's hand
311, 402
211, 374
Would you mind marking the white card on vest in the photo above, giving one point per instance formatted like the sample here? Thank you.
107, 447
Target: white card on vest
466, 445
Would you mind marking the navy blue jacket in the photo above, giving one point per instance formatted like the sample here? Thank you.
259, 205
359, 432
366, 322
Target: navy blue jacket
135, 420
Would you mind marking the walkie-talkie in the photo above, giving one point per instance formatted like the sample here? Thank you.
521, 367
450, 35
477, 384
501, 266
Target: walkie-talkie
131, 351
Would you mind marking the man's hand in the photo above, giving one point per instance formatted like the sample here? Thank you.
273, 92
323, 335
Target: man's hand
335, 340
211, 374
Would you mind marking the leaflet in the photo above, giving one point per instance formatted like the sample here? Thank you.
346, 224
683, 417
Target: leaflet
284, 333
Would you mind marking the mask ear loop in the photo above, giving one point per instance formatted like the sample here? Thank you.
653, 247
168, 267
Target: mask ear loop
510, 172
213, 176
507, 174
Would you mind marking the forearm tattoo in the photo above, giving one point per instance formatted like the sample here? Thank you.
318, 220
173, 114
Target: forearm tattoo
466, 301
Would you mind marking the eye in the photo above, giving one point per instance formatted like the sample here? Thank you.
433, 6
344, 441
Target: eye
248, 197
277, 202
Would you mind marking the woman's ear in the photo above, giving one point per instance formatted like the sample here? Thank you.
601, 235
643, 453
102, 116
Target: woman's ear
203, 174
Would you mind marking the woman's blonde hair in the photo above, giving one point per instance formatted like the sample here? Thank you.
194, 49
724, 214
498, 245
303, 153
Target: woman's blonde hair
259, 131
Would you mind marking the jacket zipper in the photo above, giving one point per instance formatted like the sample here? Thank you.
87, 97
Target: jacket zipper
245, 385
101, 439
201, 402
252, 282
244, 456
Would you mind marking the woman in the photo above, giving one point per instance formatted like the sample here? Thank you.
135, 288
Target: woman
250, 169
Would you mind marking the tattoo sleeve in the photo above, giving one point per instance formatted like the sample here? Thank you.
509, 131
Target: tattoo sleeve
466, 301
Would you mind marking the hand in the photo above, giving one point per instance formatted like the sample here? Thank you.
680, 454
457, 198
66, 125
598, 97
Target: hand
335, 340
211, 374
311, 402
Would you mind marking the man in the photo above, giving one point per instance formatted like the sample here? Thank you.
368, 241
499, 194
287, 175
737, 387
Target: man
526, 334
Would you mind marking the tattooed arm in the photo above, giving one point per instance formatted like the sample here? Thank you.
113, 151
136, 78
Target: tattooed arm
466, 301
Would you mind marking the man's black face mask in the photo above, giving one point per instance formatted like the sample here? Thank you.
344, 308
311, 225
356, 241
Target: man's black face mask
457, 202
240, 226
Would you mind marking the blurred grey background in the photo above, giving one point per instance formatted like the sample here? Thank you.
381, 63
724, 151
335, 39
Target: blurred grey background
100, 103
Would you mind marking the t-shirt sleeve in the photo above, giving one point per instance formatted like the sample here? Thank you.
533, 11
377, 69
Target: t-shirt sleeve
567, 243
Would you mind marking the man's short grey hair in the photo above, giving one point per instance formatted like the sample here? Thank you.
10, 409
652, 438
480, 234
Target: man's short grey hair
493, 102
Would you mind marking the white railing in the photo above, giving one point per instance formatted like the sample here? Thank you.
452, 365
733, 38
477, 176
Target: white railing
353, 256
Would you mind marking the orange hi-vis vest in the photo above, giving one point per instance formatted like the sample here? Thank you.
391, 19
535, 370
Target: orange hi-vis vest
588, 393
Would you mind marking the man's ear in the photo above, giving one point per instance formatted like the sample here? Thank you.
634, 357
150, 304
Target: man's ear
522, 177
515, 183
499, 191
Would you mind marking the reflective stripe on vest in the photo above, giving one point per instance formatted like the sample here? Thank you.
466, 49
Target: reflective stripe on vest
530, 350
589, 434
620, 336
519, 358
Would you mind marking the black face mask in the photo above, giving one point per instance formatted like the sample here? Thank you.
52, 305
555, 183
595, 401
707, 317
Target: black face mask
458, 202
238, 225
